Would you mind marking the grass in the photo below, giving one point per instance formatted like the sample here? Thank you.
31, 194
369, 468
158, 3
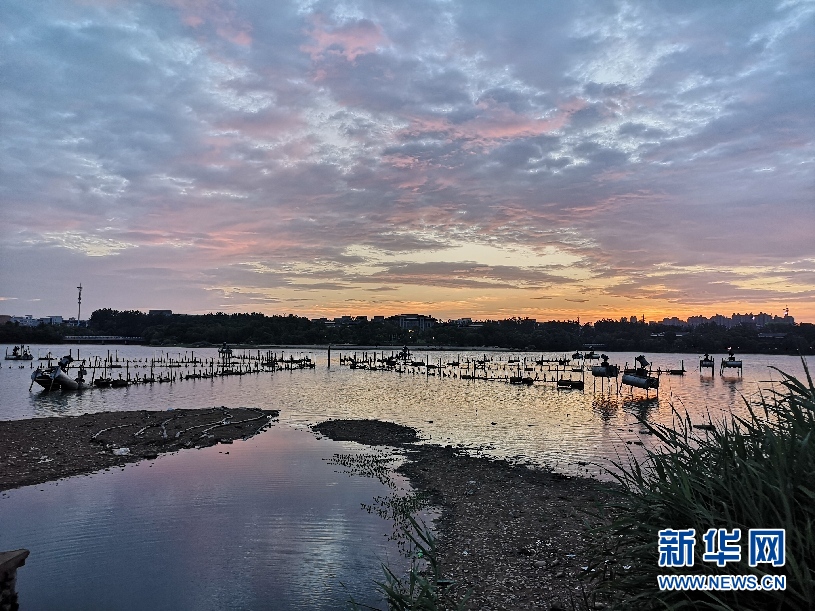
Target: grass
756, 471
423, 588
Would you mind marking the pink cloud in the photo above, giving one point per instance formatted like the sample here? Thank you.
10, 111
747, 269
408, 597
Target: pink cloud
495, 124
195, 13
348, 41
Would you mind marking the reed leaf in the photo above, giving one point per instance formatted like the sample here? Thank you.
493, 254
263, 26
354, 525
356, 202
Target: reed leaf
752, 471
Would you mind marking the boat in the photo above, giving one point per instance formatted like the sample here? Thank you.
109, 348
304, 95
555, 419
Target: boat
102, 382
119, 382
678, 372
566, 384
731, 362
521, 380
56, 376
640, 377
605, 369
19, 353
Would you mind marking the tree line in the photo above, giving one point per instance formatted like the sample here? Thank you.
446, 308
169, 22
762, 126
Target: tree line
513, 333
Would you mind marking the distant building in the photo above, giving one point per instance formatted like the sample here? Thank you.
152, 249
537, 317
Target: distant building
51, 320
417, 322
160, 312
25, 321
742, 319
379, 319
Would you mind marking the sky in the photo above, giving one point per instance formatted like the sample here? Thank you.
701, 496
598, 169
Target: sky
484, 159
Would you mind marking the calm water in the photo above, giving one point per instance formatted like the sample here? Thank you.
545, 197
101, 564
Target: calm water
271, 525
539, 423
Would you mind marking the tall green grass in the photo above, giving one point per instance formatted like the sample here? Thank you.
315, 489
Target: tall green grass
756, 471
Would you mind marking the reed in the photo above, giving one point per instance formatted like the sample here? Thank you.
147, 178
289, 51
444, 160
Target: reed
756, 471
423, 589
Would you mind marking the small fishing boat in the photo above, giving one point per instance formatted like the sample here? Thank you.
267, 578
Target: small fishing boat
102, 382
641, 377
119, 382
707, 361
605, 369
19, 353
731, 362
567, 384
678, 372
56, 376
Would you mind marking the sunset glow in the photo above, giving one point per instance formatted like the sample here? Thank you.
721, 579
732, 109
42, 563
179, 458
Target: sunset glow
550, 160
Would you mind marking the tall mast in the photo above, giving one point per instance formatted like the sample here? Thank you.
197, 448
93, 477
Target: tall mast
79, 303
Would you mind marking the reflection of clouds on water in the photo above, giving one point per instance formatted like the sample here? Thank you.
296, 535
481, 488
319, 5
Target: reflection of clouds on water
270, 521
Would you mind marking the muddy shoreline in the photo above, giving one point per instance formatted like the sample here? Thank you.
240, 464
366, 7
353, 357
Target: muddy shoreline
40, 450
515, 537
512, 536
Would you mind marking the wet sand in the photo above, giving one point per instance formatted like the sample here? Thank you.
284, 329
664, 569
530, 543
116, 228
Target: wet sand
516, 537
39, 450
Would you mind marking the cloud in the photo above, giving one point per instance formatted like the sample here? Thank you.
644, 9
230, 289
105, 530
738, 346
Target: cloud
665, 149
348, 40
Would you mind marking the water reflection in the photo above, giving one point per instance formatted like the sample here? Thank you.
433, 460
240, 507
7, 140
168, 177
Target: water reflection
605, 406
265, 523
641, 407
502, 419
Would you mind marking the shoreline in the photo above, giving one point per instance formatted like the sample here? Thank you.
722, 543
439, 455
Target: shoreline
39, 450
515, 537
397, 347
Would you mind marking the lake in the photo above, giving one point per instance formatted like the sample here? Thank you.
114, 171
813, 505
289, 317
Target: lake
272, 524
538, 423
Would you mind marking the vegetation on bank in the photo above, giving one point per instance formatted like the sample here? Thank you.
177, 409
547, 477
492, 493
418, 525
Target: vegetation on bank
743, 473
514, 333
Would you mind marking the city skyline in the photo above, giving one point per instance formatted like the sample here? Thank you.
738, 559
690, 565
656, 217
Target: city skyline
760, 319
542, 160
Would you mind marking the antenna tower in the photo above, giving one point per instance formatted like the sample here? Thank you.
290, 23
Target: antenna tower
79, 303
